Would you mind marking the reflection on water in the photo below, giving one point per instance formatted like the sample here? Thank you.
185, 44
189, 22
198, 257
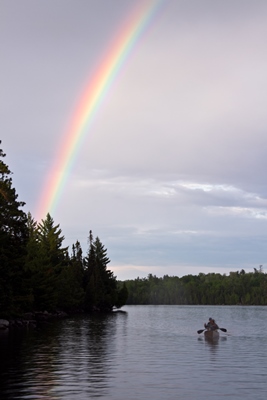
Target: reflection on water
60, 359
211, 343
146, 352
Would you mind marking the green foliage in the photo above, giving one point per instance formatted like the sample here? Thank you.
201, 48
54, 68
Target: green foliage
122, 296
50, 243
13, 239
210, 289
71, 291
100, 283
45, 262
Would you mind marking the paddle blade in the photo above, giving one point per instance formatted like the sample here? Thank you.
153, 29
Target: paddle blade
200, 331
223, 329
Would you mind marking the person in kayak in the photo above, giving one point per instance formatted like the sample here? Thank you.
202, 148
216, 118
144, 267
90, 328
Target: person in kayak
211, 325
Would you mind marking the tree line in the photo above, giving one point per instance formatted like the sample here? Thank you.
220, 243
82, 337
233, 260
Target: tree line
38, 274
204, 289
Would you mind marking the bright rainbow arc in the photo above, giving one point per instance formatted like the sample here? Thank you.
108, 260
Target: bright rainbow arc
90, 102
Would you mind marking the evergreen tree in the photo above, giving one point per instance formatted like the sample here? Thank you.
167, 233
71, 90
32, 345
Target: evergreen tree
91, 277
33, 247
46, 259
100, 283
71, 292
32, 257
50, 239
108, 289
122, 296
13, 239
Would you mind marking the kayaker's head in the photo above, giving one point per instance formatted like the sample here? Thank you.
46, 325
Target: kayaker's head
210, 319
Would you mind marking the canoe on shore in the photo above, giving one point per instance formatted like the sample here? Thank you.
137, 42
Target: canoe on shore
211, 334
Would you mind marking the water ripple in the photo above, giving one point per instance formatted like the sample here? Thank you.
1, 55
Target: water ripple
145, 352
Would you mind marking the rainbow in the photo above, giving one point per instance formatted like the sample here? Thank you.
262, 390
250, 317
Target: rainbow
90, 102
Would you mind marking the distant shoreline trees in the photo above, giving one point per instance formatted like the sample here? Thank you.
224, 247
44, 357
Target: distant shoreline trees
38, 274
239, 288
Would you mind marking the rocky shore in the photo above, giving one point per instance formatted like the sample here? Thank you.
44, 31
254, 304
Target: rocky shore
30, 319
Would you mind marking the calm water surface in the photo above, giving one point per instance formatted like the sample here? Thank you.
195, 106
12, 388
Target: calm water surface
142, 352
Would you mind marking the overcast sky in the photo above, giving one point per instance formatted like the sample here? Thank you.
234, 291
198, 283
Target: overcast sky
172, 174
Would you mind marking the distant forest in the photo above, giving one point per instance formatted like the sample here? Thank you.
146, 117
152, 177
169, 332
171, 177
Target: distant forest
204, 289
38, 274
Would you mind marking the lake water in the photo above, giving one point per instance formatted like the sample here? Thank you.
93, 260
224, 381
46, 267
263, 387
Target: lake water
141, 352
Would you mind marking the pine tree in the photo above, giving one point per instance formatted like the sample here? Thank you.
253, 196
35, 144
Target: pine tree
108, 289
50, 239
71, 292
122, 296
91, 277
46, 259
100, 283
13, 239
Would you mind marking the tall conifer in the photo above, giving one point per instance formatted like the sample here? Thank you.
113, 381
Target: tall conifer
13, 238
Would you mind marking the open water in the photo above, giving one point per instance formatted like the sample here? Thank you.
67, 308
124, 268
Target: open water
140, 352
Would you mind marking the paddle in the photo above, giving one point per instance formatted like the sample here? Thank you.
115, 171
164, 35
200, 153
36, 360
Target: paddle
202, 330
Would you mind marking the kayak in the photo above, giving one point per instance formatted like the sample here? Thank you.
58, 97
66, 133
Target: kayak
211, 334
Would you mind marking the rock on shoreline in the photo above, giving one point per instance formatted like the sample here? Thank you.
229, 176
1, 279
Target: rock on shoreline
4, 324
31, 319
